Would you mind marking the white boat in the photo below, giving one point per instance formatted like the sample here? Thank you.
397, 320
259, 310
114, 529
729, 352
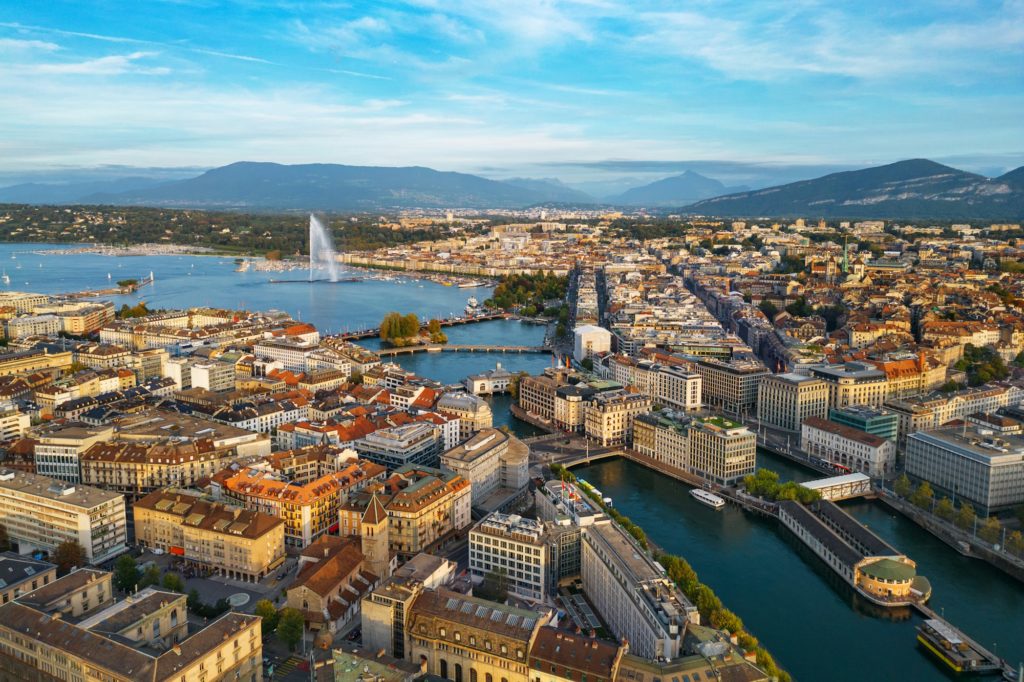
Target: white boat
6, 278
706, 498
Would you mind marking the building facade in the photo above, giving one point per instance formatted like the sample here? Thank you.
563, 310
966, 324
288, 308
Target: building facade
785, 400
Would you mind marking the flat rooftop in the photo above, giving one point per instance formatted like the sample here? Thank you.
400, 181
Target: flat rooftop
48, 489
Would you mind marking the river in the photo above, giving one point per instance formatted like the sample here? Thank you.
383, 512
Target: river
811, 621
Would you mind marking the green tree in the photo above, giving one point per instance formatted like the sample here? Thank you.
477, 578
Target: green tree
588, 364
494, 586
5, 540
173, 582
265, 609
768, 308
902, 486
966, 517
126, 573
151, 576
923, 496
68, 555
724, 619
290, 627
945, 509
991, 530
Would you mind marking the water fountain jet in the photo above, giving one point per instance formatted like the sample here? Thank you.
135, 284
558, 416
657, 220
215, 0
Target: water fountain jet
321, 250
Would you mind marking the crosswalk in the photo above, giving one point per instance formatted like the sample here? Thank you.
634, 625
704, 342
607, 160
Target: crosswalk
286, 667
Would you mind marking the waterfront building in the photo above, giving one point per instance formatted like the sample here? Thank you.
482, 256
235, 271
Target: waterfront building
423, 504
876, 421
515, 547
632, 594
71, 629
474, 413
417, 444
236, 543
731, 385
569, 403
489, 381
561, 502
537, 394
972, 463
386, 610
293, 353
853, 383
785, 400
608, 417
869, 564
40, 513
491, 461
21, 301
930, 411
35, 360
58, 452
309, 510
721, 450
463, 638
22, 574
590, 340
848, 447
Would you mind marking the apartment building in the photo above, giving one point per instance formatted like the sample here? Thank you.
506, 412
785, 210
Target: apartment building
13, 422
608, 417
731, 386
474, 413
491, 461
58, 452
973, 463
569, 403
853, 383
514, 547
40, 513
142, 638
22, 574
537, 395
848, 447
233, 542
664, 438
930, 411
674, 386
294, 354
785, 400
423, 504
632, 594
35, 360
309, 510
137, 469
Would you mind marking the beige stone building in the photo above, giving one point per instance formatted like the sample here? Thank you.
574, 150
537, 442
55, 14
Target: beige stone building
233, 542
332, 580
608, 417
473, 412
721, 450
854, 383
785, 400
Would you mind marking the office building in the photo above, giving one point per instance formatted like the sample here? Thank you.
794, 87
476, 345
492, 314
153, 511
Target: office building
494, 462
785, 400
853, 383
972, 464
848, 447
876, 421
515, 547
58, 452
589, 340
417, 444
731, 386
40, 513
721, 450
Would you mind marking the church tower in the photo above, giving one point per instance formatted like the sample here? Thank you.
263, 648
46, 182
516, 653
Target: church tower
374, 527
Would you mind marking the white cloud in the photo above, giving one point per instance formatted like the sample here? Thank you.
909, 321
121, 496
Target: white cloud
112, 65
17, 45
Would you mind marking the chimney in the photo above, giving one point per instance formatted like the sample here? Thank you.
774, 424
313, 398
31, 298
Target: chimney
176, 649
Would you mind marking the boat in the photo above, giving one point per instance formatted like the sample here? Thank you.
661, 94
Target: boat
469, 285
6, 278
706, 498
948, 645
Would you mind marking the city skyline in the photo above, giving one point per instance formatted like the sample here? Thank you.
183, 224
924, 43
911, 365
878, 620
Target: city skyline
582, 91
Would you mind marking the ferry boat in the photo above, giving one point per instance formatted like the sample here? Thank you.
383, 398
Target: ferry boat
469, 285
6, 278
706, 498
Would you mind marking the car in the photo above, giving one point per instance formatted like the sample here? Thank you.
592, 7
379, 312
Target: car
158, 551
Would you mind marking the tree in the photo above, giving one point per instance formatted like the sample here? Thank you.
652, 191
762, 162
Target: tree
265, 609
5, 541
126, 573
174, 583
290, 627
1015, 543
724, 619
768, 308
68, 555
494, 586
902, 486
923, 496
966, 517
945, 509
588, 364
990, 531
151, 576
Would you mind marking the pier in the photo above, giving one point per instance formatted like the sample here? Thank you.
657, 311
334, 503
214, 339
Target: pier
965, 654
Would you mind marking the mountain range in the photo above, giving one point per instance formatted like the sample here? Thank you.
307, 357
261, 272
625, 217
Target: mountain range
916, 188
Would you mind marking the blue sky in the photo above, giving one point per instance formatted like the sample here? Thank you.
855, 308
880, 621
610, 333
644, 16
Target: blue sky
579, 90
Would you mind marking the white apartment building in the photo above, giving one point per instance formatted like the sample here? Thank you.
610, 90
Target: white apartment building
13, 422
58, 453
294, 355
608, 417
590, 340
213, 376
679, 388
490, 460
512, 545
848, 447
40, 513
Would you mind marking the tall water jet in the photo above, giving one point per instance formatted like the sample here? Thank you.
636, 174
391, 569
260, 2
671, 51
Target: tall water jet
321, 250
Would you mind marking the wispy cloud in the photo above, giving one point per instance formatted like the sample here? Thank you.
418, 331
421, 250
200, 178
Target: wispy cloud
112, 65
18, 45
